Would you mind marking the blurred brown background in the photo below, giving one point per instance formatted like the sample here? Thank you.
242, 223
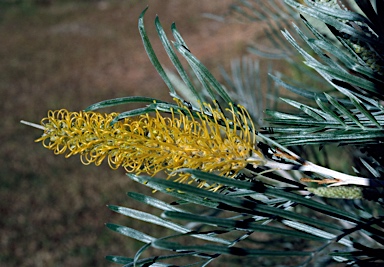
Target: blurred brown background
70, 54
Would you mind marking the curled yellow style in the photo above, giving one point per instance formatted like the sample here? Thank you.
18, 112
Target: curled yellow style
150, 144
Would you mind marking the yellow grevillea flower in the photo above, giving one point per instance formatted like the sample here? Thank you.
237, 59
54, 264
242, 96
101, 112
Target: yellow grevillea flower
150, 144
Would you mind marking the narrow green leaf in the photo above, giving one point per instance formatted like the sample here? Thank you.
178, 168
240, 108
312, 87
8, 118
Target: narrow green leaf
151, 53
121, 101
163, 107
281, 115
146, 217
316, 231
205, 84
131, 233
178, 38
175, 60
119, 259
310, 122
294, 130
134, 112
342, 138
154, 202
235, 251
310, 111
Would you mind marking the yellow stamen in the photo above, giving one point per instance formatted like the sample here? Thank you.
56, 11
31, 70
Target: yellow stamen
150, 144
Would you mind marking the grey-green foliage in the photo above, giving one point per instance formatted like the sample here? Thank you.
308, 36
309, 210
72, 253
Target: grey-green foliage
263, 217
351, 112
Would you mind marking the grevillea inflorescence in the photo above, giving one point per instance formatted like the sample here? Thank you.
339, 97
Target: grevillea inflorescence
209, 141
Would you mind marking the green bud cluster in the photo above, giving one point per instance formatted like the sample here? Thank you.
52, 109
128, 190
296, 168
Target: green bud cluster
344, 192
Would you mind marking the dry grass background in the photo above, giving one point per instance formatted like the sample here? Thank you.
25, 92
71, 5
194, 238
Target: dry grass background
70, 54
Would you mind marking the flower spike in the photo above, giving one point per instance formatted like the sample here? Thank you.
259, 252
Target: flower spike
151, 144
